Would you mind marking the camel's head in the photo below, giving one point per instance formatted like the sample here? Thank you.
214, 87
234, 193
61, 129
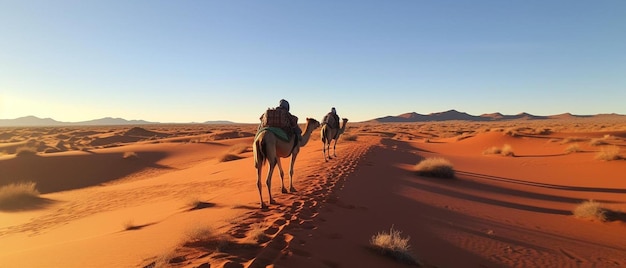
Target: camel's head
312, 123
345, 120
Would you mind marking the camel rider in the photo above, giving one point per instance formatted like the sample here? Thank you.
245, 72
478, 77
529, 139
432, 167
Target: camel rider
283, 104
283, 119
332, 119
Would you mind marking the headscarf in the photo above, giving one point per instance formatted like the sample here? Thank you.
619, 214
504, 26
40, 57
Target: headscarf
284, 104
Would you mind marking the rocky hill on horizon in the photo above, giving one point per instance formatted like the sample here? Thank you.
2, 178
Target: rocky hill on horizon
451, 115
33, 121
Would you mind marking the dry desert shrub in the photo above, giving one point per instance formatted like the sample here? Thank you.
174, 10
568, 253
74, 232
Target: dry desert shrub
228, 157
130, 155
513, 132
572, 139
199, 233
239, 148
435, 167
14, 195
573, 148
26, 151
492, 150
257, 232
349, 137
392, 244
598, 142
129, 225
591, 209
506, 150
609, 153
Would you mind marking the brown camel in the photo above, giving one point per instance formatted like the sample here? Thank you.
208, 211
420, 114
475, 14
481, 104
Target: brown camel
329, 134
268, 147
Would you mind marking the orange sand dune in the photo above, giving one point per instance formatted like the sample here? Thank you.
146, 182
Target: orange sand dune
169, 201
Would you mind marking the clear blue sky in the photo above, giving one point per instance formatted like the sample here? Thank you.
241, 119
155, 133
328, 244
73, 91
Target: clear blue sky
194, 61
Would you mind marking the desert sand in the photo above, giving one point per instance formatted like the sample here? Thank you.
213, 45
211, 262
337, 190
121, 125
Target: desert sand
186, 196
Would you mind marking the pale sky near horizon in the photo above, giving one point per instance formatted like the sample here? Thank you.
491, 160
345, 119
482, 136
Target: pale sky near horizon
195, 61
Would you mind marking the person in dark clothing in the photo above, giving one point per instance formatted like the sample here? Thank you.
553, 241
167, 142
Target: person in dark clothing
293, 120
284, 104
332, 118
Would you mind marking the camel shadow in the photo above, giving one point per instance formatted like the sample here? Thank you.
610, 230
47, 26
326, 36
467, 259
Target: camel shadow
540, 184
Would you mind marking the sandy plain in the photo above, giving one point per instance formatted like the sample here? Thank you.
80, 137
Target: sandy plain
186, 196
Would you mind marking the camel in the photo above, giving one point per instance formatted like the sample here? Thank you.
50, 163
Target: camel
329, 134
268, 147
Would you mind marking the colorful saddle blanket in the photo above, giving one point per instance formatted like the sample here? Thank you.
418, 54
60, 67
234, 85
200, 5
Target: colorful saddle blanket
279, 132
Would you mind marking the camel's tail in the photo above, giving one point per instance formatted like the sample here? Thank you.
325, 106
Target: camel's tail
323, 133
260, 152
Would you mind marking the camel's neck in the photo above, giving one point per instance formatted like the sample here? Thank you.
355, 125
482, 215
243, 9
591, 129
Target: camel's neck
343, 127
306, 135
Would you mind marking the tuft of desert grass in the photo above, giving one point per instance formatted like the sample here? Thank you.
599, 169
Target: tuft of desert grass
130, 155
26, 151
16, 194
609, 153
392, 244
591, 209
435, 167
349, 137
573, 148
129, 225
257, 232
199, 233
505, 150
598, 142
572, 139
239, 148
228, 157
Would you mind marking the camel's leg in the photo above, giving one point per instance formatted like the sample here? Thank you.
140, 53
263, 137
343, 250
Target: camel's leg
334, 148
293, 161
259, 161
268, 182
282, 176
324, 151
259, 170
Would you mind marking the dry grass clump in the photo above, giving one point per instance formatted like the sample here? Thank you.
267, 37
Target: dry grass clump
505, 150
129, 225
598, 142
572, 139
199, 233
257, 232
228, 157
435, 167
573, 148
26, 151
233, 153
591, 209
239, 148
16, 195
609, 153
349, 137
392, 244
130, 155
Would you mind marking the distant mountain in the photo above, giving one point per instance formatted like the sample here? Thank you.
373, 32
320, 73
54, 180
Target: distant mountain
112, 122
29, 121
219, 122
33, 121
456, 115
